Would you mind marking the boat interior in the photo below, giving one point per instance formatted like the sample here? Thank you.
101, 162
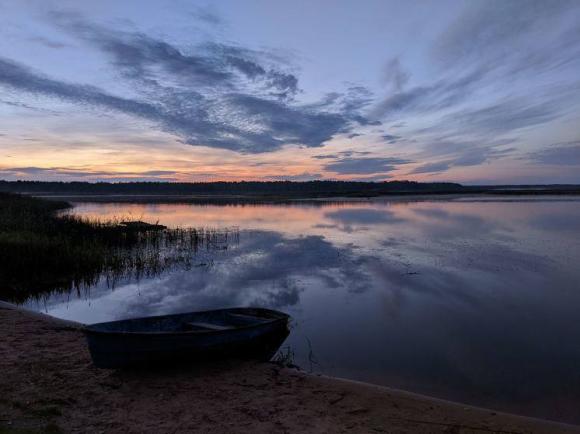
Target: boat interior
191, 322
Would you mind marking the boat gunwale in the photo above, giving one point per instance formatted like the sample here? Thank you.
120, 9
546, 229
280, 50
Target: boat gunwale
280, 316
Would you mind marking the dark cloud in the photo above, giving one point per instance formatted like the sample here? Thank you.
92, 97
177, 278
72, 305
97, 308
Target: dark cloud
488, 30
340, 155
21, 78
364, 165
286, 124
79, 173
491, 123
508, 41
141, 57
22, 105
350, 153
207, 15
436, 167
531, 47
326, 157
507, 115
459, 154
236, 121
566, 154
353, 101
213, 94
47, 42
391, 138
395, 76
440, 95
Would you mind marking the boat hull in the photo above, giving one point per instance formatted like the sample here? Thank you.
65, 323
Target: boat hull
118, 349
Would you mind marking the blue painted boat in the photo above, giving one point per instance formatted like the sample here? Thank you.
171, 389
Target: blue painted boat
234, 333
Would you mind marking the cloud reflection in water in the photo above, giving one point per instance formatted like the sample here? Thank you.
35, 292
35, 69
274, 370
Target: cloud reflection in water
473, 301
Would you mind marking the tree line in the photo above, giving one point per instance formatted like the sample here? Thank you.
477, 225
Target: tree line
228, 188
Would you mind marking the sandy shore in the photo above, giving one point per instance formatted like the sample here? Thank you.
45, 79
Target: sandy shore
48, 384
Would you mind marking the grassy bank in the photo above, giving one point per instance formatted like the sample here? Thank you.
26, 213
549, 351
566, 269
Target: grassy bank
42, 250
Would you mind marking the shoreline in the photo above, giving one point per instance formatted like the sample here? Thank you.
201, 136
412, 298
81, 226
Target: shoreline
53, 387
244, 200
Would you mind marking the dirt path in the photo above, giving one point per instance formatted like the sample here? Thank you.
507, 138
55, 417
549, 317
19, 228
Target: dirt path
47, 384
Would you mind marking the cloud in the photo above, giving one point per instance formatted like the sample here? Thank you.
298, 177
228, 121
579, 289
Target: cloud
436, 167
291, 125
21, 78
565, 154
207, 15
47, 42
22, 105
236, 121
491, 29
459, 154
139, 56
395, 75
442, 94
31, 171
213, 94
391, 138
498, 68
364, 165
508, 115
502, 67
326, 157
341, 154
487, 128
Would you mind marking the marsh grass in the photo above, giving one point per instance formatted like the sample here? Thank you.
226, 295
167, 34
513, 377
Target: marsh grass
43, 251
285, 358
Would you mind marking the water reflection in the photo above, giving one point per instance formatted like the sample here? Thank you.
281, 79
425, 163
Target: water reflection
467, 300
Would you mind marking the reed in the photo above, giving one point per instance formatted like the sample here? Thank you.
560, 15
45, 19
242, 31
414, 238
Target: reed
42, 250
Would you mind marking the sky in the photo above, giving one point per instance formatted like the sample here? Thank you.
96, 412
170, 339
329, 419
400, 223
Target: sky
477, 92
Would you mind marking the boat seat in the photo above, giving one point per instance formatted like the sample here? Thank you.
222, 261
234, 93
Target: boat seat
251, 318
204, 326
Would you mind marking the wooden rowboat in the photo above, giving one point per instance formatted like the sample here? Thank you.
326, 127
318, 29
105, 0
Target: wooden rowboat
238, 332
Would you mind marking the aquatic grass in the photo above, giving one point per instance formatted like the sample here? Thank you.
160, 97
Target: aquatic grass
285, 358
43, 251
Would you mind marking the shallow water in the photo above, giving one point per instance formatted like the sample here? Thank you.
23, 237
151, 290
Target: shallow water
466, 299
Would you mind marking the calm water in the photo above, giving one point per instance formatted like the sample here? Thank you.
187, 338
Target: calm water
467, 299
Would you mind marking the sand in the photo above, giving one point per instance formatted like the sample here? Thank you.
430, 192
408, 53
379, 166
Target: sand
48, 384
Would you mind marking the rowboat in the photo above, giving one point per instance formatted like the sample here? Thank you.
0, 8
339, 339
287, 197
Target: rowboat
234, 333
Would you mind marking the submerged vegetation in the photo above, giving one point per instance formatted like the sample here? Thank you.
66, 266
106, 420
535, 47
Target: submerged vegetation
43, 249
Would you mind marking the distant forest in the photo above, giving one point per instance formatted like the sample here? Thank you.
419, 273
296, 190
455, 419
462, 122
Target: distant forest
271, 189
226, 188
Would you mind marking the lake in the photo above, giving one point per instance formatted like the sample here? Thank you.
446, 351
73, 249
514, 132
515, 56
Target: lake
469, 299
